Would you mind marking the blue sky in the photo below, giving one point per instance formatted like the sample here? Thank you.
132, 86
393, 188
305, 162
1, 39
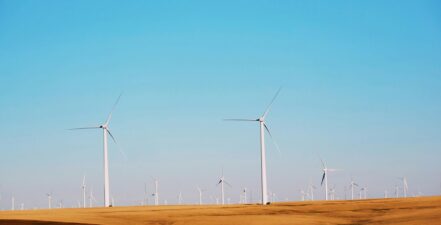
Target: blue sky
361, 87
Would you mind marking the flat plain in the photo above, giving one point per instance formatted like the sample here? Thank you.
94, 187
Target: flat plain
416, 210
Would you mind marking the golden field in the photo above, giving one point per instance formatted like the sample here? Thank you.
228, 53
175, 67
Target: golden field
418, 211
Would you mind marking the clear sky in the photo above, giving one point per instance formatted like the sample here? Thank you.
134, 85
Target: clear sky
361, 87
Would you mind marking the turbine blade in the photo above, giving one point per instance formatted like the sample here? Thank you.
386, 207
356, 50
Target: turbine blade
113, 138
323, 177
82, 128
119, 149
228, 184
274, 141
240, 120
84, 180
269, 105
113, 108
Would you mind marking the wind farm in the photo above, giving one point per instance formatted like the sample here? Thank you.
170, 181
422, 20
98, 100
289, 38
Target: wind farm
232, 113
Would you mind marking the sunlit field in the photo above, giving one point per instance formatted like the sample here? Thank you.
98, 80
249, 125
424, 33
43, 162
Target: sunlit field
418, 210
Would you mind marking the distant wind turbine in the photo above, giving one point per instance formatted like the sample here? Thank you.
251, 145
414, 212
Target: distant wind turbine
221, 182
263, 127
106, 131
91, 198
12, 202
200, 194
146, 200
156, 194
83, 187
311, 191
180, 198
353, 184
405, 187
326, 170
49, 199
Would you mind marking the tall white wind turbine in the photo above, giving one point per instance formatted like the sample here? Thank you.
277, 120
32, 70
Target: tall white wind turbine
263, 127
106, 131
326, 170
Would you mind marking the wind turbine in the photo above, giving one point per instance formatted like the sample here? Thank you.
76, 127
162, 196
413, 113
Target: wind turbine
200, 194
91, 198
180, 198
326, 170
245, 196
263, 127
221, 182
49, 199
146, 200
84, 191
365, 192
302, 194
332, 192
106, 131
12, 202
353, 184
311, 190
156, 194
405, 187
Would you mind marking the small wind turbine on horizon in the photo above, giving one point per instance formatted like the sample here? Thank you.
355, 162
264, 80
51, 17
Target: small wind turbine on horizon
263, 127
200, 194
83, 187
244, 196
146, 200
352, 185
91, 198
156, 194
326, 170
405, 187
180, 198
106, 131
49, 200
221, 182
12, 202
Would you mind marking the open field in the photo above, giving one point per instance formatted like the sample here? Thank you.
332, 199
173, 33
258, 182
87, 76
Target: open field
421, 210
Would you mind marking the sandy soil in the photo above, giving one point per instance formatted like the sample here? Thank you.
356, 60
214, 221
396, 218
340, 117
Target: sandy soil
418, 211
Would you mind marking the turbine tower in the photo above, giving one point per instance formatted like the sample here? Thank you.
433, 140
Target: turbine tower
326, 170
106, 131
263, 127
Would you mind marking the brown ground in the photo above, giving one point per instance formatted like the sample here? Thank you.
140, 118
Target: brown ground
420, 211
